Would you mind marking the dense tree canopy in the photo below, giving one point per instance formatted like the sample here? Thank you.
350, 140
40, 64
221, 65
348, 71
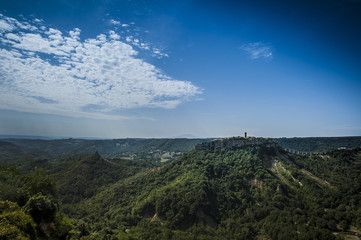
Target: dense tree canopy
250, 192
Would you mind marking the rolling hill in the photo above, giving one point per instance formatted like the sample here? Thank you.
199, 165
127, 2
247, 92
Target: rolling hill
132, 148
231, 188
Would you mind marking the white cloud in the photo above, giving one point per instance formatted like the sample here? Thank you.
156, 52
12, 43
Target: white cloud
159, 53
113, 35
114, 22
46, 71
12, 36
75, 33
9, 24
136, 41
258, 50
5, 26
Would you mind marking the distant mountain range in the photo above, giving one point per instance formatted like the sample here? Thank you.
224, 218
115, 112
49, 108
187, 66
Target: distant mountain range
161, 149
132, 148
25, 137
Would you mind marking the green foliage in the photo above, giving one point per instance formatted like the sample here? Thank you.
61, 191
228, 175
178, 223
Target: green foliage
12, 185
84, 177
41, 208
63, 227
38, 181
250, 192
39, 217
134, 148
230, 194
14, 223
319, 144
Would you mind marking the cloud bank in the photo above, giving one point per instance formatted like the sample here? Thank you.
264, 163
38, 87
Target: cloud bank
44, 70
258, 50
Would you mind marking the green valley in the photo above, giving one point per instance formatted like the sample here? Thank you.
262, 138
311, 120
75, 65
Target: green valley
230, 188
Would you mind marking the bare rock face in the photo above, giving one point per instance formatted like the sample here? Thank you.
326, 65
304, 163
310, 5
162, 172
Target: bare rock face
235, 142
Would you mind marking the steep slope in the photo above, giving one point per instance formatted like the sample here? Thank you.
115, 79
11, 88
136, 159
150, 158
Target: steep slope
231, 188
82, 178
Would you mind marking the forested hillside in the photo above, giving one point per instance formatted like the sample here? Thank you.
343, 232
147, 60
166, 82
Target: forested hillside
132, 148
28, 206
318, 144
151, 149
232, 188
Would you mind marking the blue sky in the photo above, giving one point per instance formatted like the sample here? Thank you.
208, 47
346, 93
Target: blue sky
117, 69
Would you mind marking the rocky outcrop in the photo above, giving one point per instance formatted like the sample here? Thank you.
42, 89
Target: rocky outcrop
235, 142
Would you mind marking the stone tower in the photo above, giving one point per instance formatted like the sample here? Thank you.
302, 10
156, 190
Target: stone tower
245, 134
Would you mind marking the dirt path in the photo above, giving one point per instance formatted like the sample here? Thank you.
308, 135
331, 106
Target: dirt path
320, 181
